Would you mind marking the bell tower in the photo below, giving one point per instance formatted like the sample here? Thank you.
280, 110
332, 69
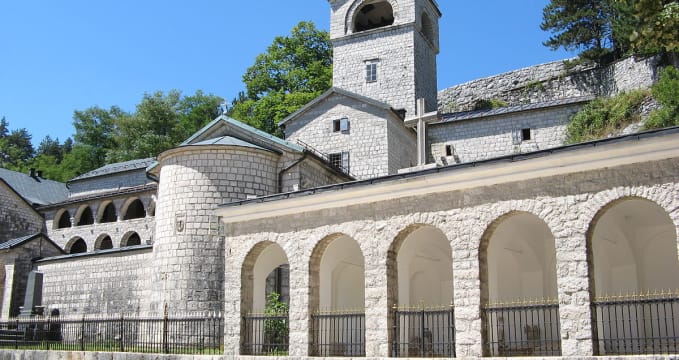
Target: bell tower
386, 50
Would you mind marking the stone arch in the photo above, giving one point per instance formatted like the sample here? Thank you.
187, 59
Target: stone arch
263, 259
517, 263
84, 216
62, 219
427, 28
420, 250
131, 238
103, 242
632, 248
76, 245
379, 7
107, 212
133, 209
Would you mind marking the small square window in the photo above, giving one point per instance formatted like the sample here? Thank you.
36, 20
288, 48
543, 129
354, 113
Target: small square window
525, 134
340, 125
371, 71
449, 150
340, 161
336, 125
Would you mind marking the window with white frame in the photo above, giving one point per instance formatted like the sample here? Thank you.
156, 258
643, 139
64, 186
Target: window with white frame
341, 125
371, 71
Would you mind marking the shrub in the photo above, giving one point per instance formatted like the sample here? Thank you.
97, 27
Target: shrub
488, 104
605, 116
666, 93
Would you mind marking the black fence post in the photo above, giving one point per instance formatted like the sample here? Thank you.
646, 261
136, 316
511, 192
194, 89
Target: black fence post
395, 332
120, 334
82, 334
166, 349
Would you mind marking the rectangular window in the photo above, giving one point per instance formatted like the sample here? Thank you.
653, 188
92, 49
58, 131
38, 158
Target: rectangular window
340, 125
449, 150
525, 134
340, 161
371, 71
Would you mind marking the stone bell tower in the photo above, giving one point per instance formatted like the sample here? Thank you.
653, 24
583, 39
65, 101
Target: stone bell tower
386, 50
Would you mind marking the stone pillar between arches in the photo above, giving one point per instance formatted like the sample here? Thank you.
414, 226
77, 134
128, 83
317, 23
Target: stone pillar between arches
299, 317
574, 296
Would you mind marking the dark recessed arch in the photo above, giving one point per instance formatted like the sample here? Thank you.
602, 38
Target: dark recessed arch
373, 15
104, 242
130, 239
86, 217
76, 246
109, 214
63, 220
135, 210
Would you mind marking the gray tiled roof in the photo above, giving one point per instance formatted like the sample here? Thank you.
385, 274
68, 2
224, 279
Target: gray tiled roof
11, 244
33, 189
116, 168
469, 115
226, 140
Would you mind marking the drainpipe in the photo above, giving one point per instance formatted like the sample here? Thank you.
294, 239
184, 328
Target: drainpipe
280, 174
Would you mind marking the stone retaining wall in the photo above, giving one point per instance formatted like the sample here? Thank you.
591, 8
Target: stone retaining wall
552, 81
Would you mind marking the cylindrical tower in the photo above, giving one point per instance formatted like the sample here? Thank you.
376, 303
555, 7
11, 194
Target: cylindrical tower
189, 249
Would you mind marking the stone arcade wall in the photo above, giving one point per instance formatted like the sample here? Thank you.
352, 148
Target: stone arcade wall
551, 81
113, 283
462, 208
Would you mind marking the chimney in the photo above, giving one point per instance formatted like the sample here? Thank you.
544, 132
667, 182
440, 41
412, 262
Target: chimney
31, 172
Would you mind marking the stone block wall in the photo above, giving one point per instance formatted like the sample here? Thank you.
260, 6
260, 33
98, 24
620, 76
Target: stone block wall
551, 81
188, 257
118, 231
402, 146
17, 217
113, 283
568, 205
490, 137
366, 140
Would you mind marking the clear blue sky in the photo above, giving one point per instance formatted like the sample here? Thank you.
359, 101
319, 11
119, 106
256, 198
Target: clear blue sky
61, 56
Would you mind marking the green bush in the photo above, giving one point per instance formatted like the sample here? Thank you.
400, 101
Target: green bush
605, 116
488, 104
666, 93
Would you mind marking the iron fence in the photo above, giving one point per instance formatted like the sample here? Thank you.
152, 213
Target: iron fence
200, 334
265, 335
423, 332
636, 325
522, 330
338, 334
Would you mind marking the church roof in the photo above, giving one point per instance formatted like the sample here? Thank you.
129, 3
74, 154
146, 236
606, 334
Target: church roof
115, 168
35, 190
476, 114
227, 141
332, 91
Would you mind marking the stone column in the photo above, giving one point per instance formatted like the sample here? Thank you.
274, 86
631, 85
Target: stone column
574, 296
376, 302
7, 292
467, 298
299, 315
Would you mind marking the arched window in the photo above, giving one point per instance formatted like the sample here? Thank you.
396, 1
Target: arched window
86, 217
373, 15
77, 246
135, 210
131, 239
109, 214
103, 243
64, 220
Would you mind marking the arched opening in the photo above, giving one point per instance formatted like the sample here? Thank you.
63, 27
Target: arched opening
420, 266
135, 210
634, 279
264, 301
373, 15
428, 28
86, 217
130, 239
337, 301
109, 214
76, 246
151, 209
104, 242
520, 312
64, 220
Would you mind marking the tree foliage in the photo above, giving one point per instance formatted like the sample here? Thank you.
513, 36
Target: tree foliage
596, 28
15, 146
665, 92
294, 70
658, 26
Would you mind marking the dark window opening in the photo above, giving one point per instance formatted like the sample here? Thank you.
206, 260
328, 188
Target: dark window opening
525, 134
371, 72
135, 210
340, 125
133, 240
449, 150
109, 214
86, 218
427, 28
64, 220
105, 243
78, 247
373, 16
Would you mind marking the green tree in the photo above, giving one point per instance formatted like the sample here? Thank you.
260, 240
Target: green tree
15, 147
95, 130
196, 111
51, 147
658, 26
294, 70
595, 28
665, 92
276, 325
